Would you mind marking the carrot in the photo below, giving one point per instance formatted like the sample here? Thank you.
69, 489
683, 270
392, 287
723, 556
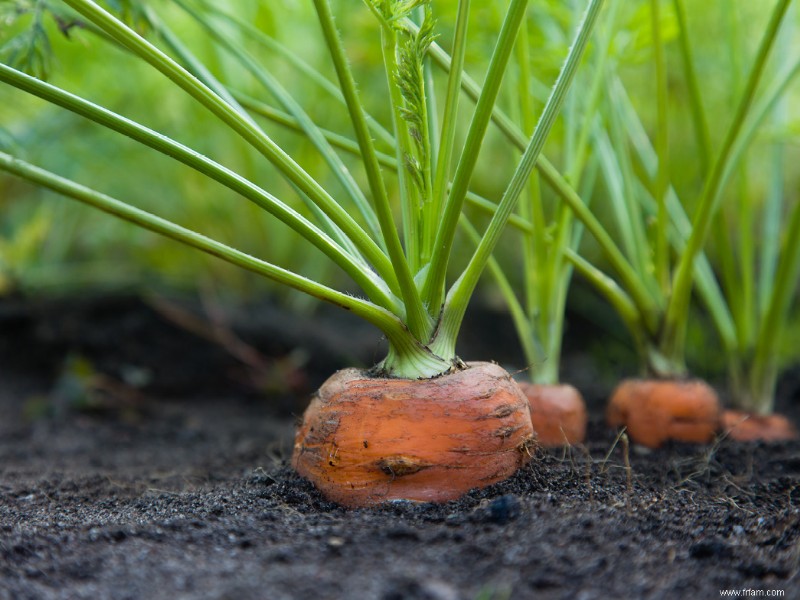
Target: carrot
657, 410
749, 427
558, 413
366, 440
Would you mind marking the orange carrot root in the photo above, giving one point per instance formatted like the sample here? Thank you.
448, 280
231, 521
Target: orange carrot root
367, 440
747, 427
558, 414
655, 411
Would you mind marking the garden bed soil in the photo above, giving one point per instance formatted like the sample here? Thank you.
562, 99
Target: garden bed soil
140, 458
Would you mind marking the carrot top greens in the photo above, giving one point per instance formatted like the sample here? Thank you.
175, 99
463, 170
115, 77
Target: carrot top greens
401, 266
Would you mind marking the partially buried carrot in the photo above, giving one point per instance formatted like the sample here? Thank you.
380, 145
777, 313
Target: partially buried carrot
748, 427
657, 410
558, 413
367, 440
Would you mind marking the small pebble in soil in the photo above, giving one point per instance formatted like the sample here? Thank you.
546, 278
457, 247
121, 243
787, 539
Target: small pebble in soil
430, 589
260, 477
709, 549
335, 542
454, 519
402, 533
500, 510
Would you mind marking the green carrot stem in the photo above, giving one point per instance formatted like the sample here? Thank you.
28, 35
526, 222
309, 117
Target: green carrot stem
459, 294
662, 262
450, 116
676, 318
242, 126
417, 360
356, 269
419, 321
433, 289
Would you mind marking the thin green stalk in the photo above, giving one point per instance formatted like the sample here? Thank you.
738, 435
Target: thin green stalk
242, 126
433, 289
640, 293
199, 70
286, 120
757, 116
726, 258
534, 247
765, 359
189, 60
563, 189
773, 208
488, 207
302, 67
706, 281
522, 324
554, 331
628, 276
755, 371
312, 132
770, 231
701, 130
410, 200
662, 262
450, 117
628, 209
570, 139
419, 322
747, 262
459, 294
593, 97
609, 288
534, 244
372, 286
676, 318
422, 362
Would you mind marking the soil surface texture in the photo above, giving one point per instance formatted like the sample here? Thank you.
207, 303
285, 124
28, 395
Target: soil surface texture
144, 454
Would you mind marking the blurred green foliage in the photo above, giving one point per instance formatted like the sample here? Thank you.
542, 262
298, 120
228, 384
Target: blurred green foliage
48, 243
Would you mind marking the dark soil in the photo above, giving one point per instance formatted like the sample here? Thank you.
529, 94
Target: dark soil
142, 459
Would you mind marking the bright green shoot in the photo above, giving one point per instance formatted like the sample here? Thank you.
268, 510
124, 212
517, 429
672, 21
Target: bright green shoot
538, 313
624, 146
760, 265
662, 335
400, 267
654, 251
